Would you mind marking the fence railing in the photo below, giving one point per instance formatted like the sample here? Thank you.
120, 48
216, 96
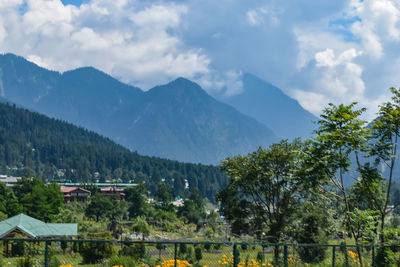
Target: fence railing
67, 252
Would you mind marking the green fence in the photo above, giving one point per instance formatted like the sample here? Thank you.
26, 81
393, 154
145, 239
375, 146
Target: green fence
61, 252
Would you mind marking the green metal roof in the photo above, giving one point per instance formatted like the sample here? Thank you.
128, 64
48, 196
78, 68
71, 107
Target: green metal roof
35, 228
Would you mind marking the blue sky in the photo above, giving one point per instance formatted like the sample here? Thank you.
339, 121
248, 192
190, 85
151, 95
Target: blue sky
316, 51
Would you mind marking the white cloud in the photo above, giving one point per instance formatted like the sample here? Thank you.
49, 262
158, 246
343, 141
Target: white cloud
262, 15
379, 22
136, 43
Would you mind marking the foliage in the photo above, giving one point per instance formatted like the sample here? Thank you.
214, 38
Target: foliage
137, 251
384, 257
198, 253
193, 209
8, 202
94, 252
99, 206
25, 262
37, 199
262, 192
140, 225
313, 229
121, 260
137, 199
18, 248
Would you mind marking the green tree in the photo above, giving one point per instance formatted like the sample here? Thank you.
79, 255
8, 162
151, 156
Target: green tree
141, 226
193, 209
164, 197
341, 134
263, 190
8, 202
137, 199
386, 133
99, 207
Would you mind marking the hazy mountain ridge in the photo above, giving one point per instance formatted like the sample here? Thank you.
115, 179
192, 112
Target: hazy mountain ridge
271, 106
178, 120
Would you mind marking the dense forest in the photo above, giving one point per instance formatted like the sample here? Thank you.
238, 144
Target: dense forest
33, 144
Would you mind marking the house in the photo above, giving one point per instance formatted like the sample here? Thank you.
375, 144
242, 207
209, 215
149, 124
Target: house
35, 229
113, 191
72, 193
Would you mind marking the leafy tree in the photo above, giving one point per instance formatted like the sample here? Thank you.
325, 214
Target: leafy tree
193, 208
95, 252
386, 133
340, 135
8, 202
141, 226
313, 229
164, 197
99, 206
262, 192
137, 199
37, 199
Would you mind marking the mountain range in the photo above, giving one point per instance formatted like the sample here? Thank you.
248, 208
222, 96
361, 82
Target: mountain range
178, 120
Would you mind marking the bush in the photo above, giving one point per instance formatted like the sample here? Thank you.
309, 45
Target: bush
55, 262
94, 252
198, 253
136, 251
207, 246
260, 256
125, 261
182, 249
384, 257
217, 246
25, 262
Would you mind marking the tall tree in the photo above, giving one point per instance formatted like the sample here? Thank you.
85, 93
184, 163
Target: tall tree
341, 134
263, 190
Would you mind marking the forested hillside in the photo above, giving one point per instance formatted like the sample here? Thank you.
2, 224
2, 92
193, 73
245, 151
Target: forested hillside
30, 142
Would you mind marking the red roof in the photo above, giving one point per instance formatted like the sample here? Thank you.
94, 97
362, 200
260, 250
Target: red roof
69, 189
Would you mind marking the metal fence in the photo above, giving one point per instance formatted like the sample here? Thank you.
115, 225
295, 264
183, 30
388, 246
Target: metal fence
66, 253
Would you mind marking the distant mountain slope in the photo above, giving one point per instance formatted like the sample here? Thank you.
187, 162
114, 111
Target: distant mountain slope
180, 120
177, 121
44, 145
269, 105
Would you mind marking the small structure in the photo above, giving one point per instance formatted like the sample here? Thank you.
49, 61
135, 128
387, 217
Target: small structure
113, 191
9, 180
72, 193
35, 229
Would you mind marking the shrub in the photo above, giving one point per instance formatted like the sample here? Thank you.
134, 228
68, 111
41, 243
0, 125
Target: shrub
384, 257
136, 251
207, 246
125, 261
25, 262
94, 252
198, 253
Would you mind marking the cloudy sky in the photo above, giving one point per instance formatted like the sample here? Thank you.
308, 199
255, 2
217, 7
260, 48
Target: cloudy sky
316, 51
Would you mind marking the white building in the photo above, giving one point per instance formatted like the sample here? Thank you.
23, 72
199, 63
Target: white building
9, 180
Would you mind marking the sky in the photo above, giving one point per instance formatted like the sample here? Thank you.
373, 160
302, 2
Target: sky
316, 51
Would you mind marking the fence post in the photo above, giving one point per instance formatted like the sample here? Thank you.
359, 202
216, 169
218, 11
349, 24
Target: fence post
175, 253
373, 255
285, 256
235, 258
46, 254
333, 255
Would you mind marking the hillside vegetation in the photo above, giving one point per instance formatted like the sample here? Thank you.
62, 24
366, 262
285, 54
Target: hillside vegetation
30, 142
